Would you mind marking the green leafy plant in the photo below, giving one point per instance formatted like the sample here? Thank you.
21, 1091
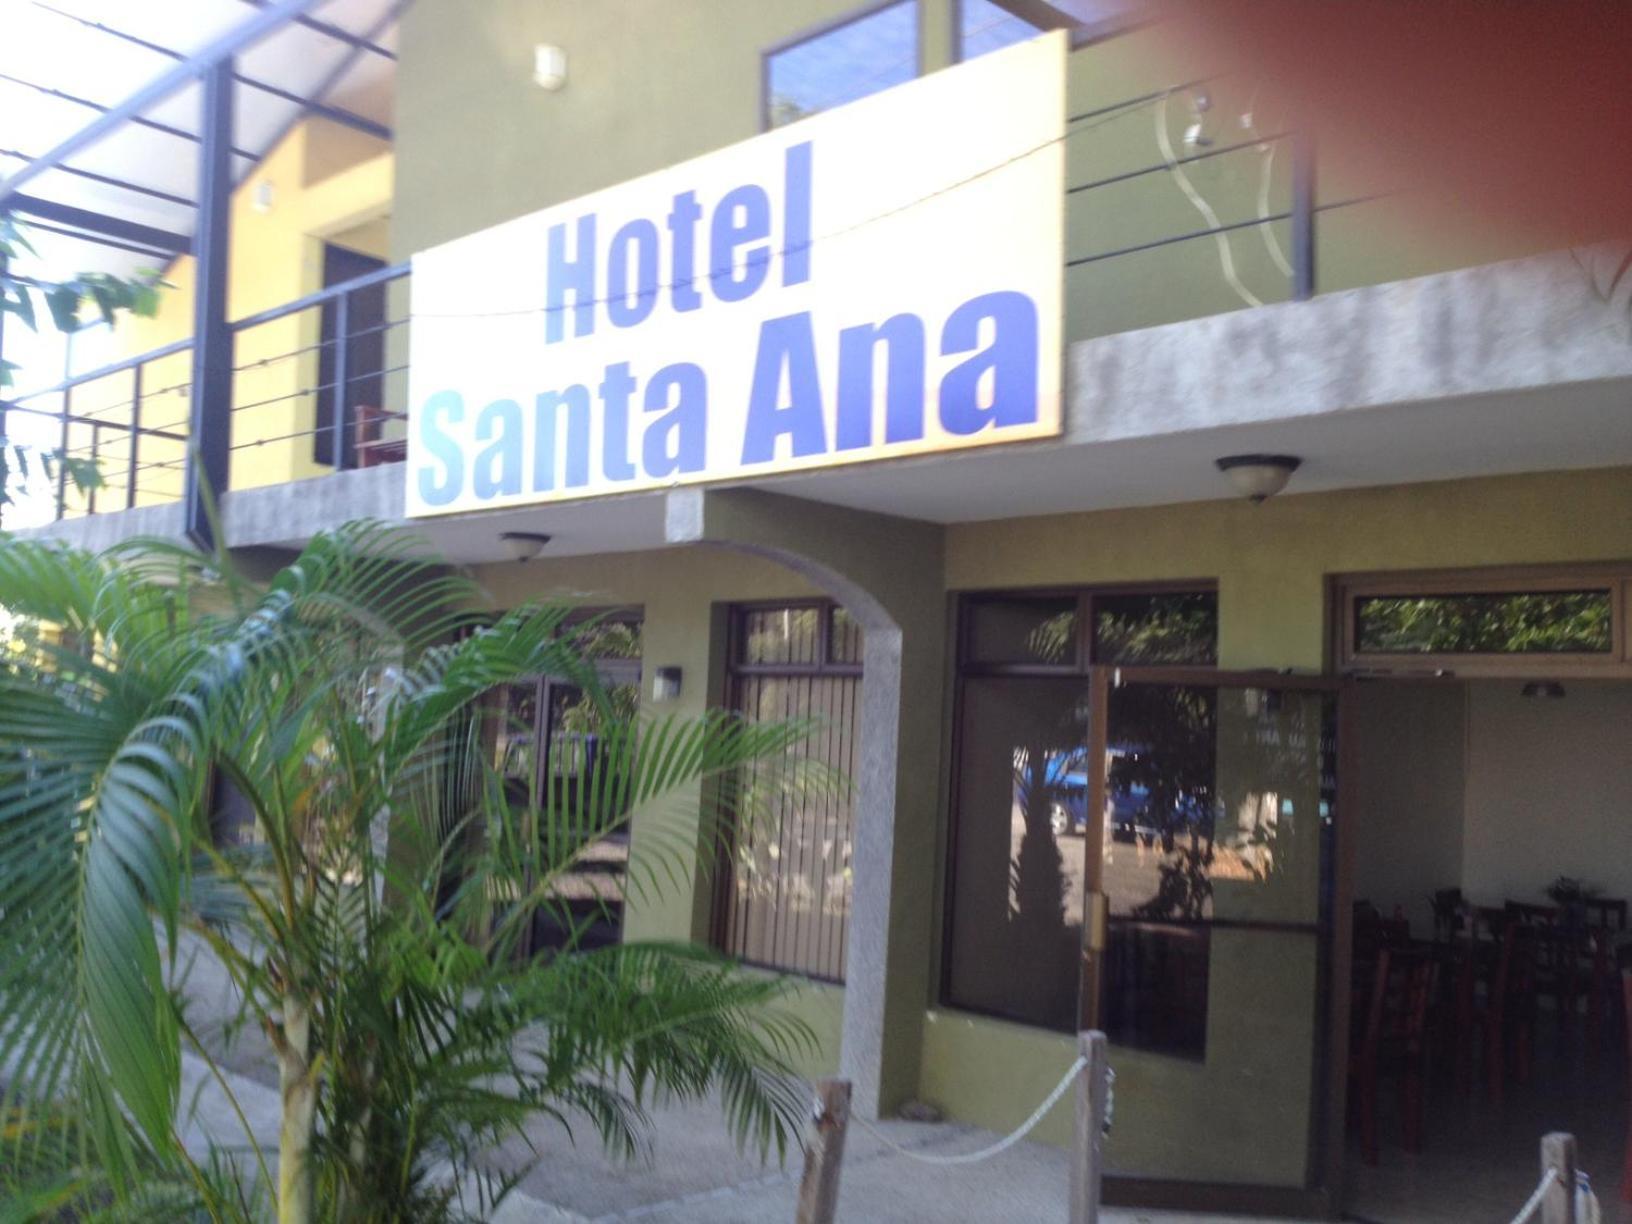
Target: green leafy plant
63, 303
377, 927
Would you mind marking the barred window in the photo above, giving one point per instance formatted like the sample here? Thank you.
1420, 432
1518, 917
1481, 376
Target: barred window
784, 896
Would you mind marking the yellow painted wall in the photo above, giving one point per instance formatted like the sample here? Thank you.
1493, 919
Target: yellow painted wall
326, 182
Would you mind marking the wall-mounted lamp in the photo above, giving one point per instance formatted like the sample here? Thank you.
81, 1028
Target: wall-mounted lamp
666, 684
1542, 688
264, 196
523, 545
1257, 477
549, 67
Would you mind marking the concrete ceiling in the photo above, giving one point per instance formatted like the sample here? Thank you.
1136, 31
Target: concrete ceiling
1580, 425
1584, 425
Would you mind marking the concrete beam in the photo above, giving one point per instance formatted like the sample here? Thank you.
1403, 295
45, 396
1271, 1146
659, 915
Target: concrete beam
1520, 325
889, 574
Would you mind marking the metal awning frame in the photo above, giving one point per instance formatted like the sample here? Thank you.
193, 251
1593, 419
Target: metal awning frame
214, 66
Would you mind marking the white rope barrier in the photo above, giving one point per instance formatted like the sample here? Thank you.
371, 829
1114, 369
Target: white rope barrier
985, 1153
1533, 1203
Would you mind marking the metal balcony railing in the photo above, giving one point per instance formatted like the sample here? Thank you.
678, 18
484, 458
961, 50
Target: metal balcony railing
316, 387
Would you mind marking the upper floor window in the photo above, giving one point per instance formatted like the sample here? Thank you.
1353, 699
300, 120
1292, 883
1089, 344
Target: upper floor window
838, 64
986, 26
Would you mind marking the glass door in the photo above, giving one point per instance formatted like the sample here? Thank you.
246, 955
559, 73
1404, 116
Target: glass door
1209, 911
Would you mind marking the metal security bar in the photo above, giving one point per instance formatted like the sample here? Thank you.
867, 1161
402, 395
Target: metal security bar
784, 897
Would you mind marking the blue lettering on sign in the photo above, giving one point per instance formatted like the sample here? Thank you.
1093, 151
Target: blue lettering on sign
547, 408
575, 275
1011, 359
498, 466
656, 427
640, 238
445, 407
677, 440
787, 354
903, 340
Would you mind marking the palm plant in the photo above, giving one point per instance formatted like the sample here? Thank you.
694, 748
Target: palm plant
376, 927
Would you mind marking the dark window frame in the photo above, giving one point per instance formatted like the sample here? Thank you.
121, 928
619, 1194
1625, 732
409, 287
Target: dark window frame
1085, 639
737, 671
964, 668
736, 637
822, 30
1350, 589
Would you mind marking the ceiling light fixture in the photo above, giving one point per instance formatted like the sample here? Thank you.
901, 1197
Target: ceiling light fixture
549, 67
1542, 688
523, 545
1257, 477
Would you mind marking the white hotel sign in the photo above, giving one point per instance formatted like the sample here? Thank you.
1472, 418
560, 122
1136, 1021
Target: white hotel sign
880, 280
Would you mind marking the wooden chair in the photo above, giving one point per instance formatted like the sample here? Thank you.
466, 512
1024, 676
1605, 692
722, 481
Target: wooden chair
1606, 923
1606, 913
372, 449
1394, 1034
1372, 931
1497, 955
1556, 949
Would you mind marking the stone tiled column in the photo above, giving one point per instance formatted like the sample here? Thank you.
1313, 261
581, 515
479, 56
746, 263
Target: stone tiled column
888, 573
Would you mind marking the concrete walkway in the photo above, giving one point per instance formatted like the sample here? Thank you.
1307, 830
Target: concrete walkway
696, 1175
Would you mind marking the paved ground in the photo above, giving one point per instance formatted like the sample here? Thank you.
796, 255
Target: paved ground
695, 1175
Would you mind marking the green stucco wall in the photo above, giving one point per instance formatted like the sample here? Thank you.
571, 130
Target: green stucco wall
1272, 564
650, 84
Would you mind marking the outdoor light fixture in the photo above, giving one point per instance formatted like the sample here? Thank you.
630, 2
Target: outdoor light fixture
666, 684
549, 67
1542, 688
1256, 477
523, 545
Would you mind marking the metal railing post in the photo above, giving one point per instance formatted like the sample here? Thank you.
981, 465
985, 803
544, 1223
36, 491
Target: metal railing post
210, 416
342, 372
96, 453
135, 437
62, 454
1303, 215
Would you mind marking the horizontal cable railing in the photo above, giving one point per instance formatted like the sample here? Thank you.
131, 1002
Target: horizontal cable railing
319, 367
317, 381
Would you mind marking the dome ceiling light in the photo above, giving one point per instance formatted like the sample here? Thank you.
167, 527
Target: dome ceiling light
523, 545
1257, 477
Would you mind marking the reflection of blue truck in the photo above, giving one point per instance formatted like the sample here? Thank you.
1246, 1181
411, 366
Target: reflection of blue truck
1066, 776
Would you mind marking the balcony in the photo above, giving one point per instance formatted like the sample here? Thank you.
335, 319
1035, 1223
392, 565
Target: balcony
300, 398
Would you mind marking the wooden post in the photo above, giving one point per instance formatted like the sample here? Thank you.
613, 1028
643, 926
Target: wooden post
819, 1190
1558, 1154
1088, 1148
